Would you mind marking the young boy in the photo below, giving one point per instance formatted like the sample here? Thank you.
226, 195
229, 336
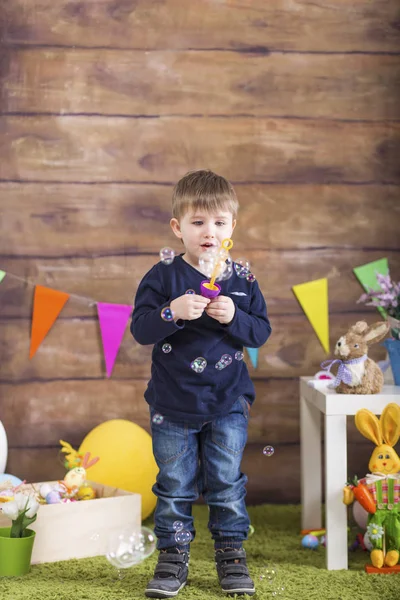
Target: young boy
199, 411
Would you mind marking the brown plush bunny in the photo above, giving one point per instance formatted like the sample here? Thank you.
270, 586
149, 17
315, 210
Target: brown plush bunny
358, 374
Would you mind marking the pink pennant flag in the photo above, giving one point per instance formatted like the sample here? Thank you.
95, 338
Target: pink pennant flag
113, 319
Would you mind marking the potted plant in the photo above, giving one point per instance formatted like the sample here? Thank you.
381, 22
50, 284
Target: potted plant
16, 542
387, 297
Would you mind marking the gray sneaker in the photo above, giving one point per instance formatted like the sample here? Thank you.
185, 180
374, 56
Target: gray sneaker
233, 573
170, 574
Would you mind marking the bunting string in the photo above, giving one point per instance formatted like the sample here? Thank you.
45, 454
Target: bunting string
88, 300
113, 318
48, 304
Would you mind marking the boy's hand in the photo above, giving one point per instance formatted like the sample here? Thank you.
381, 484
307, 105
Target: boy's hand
222, 309
188, 307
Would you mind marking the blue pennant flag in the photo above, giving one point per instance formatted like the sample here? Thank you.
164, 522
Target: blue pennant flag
253, 353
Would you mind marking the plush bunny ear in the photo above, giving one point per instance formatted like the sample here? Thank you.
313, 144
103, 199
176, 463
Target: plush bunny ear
376, 332
85, 460
359, 327
368, 425
92, 462
87, 463
390, 424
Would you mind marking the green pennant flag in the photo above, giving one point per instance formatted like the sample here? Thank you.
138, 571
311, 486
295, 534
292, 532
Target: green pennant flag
2, 275
366, 275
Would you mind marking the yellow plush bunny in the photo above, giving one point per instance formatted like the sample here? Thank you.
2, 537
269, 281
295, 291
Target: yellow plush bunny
383, 483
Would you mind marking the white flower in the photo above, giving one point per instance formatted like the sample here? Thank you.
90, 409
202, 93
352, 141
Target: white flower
21, 503
10, 509
27, 503
375, 531
32, 506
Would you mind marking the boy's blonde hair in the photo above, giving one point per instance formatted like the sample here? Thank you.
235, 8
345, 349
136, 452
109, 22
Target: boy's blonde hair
203, 190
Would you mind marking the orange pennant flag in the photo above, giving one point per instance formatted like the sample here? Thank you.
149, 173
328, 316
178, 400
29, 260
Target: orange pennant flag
47, 305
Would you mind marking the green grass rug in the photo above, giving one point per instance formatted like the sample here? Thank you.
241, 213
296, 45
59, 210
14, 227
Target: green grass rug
275, 543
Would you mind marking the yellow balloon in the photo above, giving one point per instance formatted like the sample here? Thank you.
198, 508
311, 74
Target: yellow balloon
126, 459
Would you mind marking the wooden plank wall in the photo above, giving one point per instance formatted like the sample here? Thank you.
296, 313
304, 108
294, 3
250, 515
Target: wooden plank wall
104, 105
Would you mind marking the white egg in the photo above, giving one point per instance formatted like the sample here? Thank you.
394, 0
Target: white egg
45, 489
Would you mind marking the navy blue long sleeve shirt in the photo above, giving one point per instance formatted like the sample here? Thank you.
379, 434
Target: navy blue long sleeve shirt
175, 389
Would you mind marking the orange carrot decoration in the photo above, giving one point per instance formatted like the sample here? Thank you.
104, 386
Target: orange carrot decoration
362, 495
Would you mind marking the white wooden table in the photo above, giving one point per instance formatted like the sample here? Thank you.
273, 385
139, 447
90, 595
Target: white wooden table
335, 407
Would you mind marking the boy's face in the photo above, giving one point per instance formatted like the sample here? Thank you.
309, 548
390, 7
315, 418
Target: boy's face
200, 230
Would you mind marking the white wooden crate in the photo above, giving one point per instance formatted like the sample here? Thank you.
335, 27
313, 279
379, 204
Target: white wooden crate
82, 529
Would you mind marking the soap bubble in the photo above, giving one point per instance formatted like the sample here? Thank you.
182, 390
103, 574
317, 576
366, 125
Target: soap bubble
228, 270
278, 591
128, 548
166, 348
198, 364
216, 259
207, 261
183, 536
223, 362
167, 314
239, 355
190, 292
178, 525
147, 541
121, 552
158, 419
242, 267
268, 574
268, 450
251, 278
167, 256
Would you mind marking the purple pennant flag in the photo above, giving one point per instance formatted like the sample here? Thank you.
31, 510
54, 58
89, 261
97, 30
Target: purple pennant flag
113, 319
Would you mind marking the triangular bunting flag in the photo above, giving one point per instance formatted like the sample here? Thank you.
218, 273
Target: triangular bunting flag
313, 298
47, 305
253, 353
366, 275
2, 275
113, 319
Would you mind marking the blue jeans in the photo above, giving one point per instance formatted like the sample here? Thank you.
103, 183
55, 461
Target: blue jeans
201, 458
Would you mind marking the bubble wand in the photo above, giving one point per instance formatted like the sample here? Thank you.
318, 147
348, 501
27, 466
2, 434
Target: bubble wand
210, 289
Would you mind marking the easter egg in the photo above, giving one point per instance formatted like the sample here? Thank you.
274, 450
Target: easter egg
310, 541
53, 497
126, 459
360, 515
3, 448
45, 489
12, 479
